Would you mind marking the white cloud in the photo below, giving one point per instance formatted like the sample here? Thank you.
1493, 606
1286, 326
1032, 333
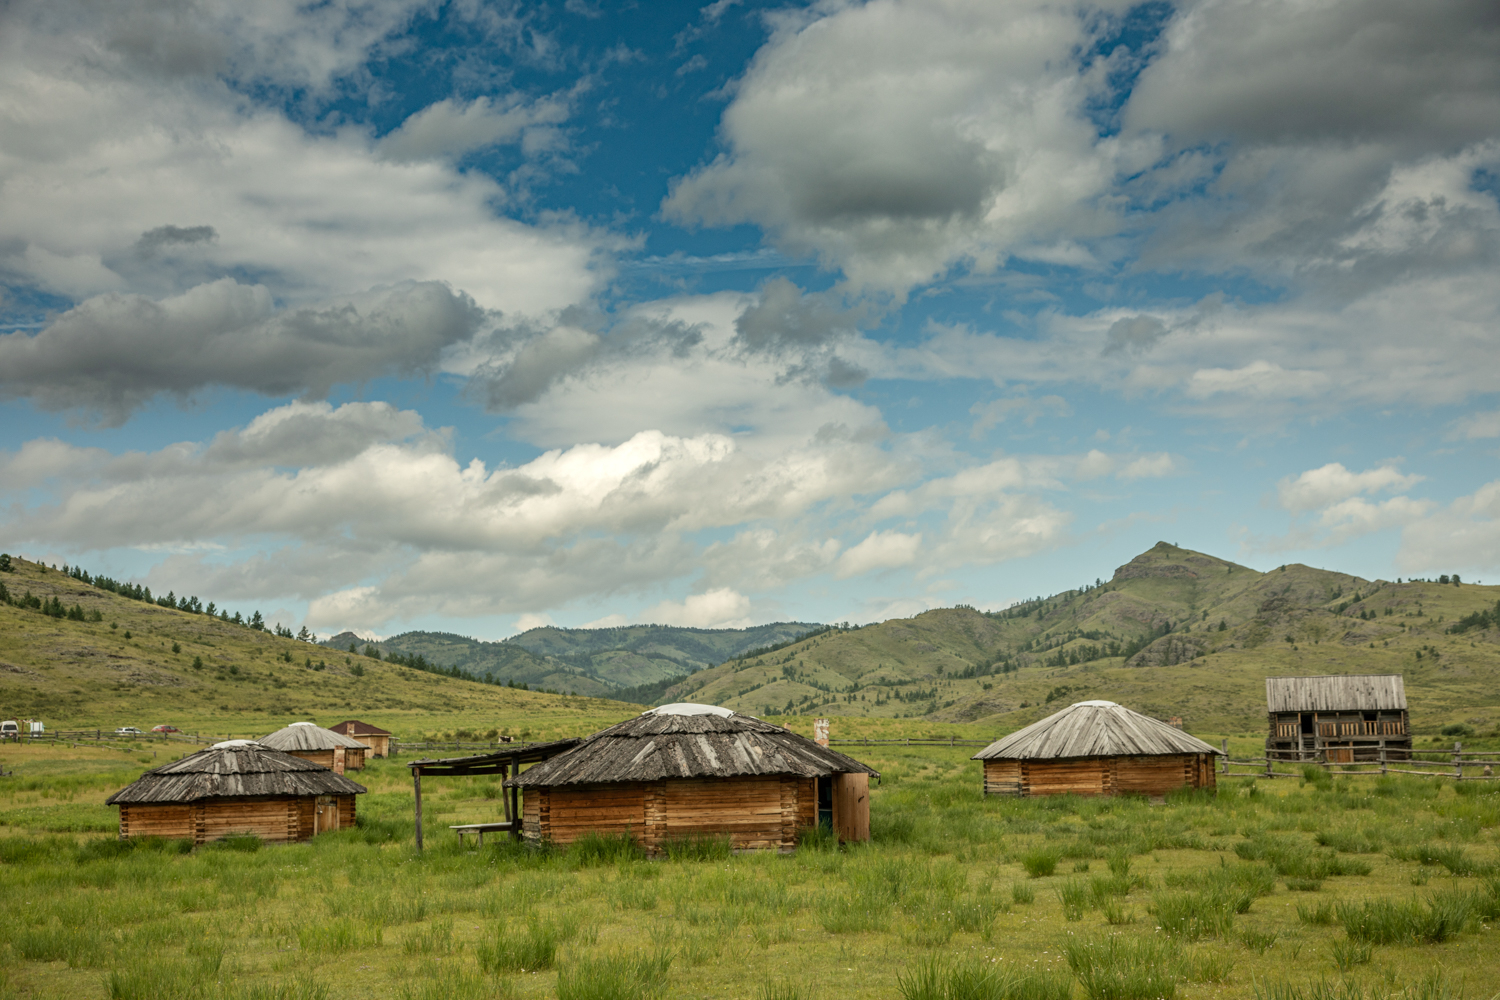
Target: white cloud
896, 139
1332, 484
1485, 424
451, 128
1463, 535
529, 621
879, 550
314, 216
721, 608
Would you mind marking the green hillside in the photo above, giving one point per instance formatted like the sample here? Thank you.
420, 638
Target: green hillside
1173, 632
80, 657
636, 662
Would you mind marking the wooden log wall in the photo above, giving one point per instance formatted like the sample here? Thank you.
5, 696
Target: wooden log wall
272, 820
757, 813
1154, 775
354, 760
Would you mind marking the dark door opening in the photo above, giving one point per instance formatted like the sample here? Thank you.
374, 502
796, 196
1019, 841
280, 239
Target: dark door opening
825, 803
1307, 722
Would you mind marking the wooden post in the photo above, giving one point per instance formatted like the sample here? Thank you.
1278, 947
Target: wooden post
1458, 764
1382, 756
504, 792
515, 799
416, 780
1224, 744
1268, 763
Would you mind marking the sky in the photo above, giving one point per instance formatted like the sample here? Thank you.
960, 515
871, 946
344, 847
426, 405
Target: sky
466, 316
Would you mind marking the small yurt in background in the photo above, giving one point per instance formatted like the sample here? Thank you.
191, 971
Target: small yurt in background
377, 739
1096, 748
311, 741
233, 788
692, 770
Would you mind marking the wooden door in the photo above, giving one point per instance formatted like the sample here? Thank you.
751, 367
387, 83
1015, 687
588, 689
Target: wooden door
326, 814
851, 806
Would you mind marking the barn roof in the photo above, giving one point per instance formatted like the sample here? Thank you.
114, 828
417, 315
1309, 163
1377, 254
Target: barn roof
1094, 729
308, 736
1354, 692
236, 768
356, 728
688, 741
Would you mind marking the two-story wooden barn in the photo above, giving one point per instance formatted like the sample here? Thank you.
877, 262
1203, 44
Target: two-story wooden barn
236, 787
1096, 748
690, 770
311, 741
377, 739
1341, 718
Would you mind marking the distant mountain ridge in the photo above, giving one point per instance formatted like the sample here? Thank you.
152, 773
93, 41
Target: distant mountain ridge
634, 662
1172, 633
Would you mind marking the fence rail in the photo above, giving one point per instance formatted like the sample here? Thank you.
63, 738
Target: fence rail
1452, 763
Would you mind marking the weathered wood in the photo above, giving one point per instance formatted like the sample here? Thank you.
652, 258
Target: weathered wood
416, 782
1335, 693
237, 770
851, 807
1143, 775
1094, 729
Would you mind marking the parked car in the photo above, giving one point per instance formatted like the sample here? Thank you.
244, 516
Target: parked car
128, 731
10, 730
165, 729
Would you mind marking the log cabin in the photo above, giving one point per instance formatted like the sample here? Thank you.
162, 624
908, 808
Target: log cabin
1096, 748
684, 770
1339, 719
377, 739
234, 788
310, 741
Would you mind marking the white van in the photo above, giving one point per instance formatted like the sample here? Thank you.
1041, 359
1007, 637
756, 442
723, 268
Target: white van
10, 730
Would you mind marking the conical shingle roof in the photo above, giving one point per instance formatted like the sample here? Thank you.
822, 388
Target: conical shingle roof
688, 741
1094, 729
236, 768
308, 736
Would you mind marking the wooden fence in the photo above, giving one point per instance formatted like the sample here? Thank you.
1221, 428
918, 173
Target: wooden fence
1451, 765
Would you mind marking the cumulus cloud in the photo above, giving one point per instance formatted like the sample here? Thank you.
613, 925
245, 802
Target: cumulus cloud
1463, 535
452, 128
1332, 484
1329, 506
1485, 424
204, 183
879, 550
721, 608
116, 352
896, 139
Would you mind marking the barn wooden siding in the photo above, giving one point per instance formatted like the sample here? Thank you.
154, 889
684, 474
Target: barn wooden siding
377, 739
757, 813
272, 820
1146, 775
354, 760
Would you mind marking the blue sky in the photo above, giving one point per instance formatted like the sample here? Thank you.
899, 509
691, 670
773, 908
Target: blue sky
469, 316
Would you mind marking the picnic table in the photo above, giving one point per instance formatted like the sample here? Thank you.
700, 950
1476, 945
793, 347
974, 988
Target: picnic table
480, 829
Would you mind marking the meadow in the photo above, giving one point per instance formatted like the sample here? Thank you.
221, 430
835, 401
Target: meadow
1316, 888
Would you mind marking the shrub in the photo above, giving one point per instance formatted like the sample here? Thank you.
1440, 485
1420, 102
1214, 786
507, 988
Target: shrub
512, 950
637, 976
1040, 862
1122, 968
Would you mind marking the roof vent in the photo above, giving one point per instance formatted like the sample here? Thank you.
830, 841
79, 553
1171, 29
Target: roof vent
304, 723
688, 708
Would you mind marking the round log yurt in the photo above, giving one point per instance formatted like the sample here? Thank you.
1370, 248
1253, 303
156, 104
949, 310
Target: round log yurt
234, 788
686, 770
311, 741
1096, 748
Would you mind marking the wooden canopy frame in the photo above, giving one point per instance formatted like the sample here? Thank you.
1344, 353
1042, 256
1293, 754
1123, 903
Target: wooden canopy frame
506, 763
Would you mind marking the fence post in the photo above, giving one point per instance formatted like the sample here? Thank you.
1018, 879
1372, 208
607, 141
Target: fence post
1268, 763
1224, 744
1458, 762
1382, 756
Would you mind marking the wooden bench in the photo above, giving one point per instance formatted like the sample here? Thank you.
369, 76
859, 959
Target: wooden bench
480, 829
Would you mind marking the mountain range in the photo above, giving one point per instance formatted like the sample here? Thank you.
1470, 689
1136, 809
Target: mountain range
634, 662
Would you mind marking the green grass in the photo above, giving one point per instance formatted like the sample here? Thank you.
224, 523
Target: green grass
359, 913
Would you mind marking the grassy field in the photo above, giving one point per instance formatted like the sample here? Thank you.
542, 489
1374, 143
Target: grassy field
1350, 887
144, 665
